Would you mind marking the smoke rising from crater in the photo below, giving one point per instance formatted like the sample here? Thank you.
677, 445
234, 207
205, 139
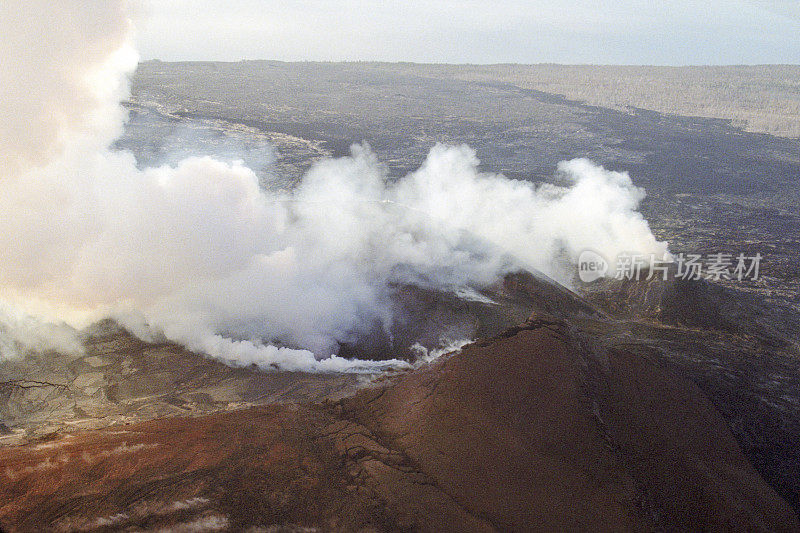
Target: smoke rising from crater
198, 253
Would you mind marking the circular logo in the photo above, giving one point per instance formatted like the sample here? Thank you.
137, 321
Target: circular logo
591, 266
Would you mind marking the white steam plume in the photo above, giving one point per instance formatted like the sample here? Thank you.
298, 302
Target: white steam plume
199, 254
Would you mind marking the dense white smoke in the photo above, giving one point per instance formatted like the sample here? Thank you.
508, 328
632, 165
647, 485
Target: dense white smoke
200, 254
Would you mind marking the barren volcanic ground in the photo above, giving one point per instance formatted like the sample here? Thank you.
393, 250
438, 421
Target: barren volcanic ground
576, 418
711, 187
537, 428
640, 406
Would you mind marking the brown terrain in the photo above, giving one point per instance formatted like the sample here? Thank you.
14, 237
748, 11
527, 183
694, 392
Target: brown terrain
542, 426
633, 407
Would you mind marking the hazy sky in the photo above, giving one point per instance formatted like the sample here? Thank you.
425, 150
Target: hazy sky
674, 32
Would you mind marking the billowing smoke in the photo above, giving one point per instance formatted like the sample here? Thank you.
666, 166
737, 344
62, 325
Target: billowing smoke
198, 253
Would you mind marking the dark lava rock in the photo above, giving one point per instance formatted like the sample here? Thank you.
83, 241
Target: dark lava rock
533, 430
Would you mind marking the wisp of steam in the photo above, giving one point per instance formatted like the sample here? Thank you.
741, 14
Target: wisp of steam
199, 254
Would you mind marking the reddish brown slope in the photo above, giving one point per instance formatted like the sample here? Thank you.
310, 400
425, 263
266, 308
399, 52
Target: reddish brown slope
532, 432
529, 431
259, 467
